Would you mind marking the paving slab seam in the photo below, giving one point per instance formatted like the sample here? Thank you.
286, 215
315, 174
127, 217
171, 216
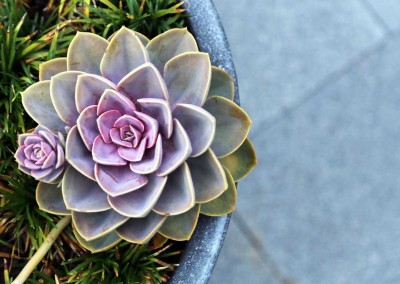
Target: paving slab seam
375, 16
258, 246
324, 83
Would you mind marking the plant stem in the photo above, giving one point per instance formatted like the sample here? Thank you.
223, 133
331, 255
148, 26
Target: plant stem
41, 252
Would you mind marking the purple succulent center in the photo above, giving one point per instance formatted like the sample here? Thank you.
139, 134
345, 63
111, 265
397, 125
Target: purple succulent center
41, 155
128, 135
125, 137
128, 132
38, 152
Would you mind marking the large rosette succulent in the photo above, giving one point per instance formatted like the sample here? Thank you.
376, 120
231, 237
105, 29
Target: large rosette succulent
153, 137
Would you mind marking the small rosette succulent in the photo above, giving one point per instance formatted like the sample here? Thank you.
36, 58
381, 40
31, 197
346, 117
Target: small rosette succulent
41, 154
154, 138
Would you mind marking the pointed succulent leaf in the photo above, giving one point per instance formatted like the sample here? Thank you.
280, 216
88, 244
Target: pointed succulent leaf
208, 177
89, 89
151, 160
22, 137
124, 53
54, 177
133, 154
138, 203
20, 155
82, 194
150, 129
52, 67
85, 52
33, 139
144, 39
33, 167
181, 227
49, 198
233, 125
87, 126
105, 123
39, 173
93, 226
221, 84
60, 156
187, 77
144, 82
199, 126
175, 150
49, 161
117, 181
157, 242
46, 134
106, 154
160, 110
178, 195
223, 204
78, 155
112, 100
141, 230
241, 162
37, 103
24, 169
170, 44
129, 120
101, 244
62, 91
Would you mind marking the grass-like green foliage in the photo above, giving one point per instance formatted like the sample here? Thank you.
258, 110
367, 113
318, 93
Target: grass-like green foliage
126, 263
31, 32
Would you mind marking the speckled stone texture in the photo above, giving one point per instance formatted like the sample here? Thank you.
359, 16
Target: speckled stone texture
201, 252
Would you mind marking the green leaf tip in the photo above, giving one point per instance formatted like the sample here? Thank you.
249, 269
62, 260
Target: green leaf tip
241, 162
225, 203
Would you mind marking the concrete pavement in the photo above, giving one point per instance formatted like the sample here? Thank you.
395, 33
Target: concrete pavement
320, 81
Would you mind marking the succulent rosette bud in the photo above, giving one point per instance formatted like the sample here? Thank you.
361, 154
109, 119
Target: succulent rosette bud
41, 154
155, 138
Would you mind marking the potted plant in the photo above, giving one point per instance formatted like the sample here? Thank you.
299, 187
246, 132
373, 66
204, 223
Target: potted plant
135, 138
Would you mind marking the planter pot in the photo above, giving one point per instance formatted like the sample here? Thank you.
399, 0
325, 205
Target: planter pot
201, 252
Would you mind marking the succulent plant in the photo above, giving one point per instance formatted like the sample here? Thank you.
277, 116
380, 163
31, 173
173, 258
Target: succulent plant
41, 154
153, 137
